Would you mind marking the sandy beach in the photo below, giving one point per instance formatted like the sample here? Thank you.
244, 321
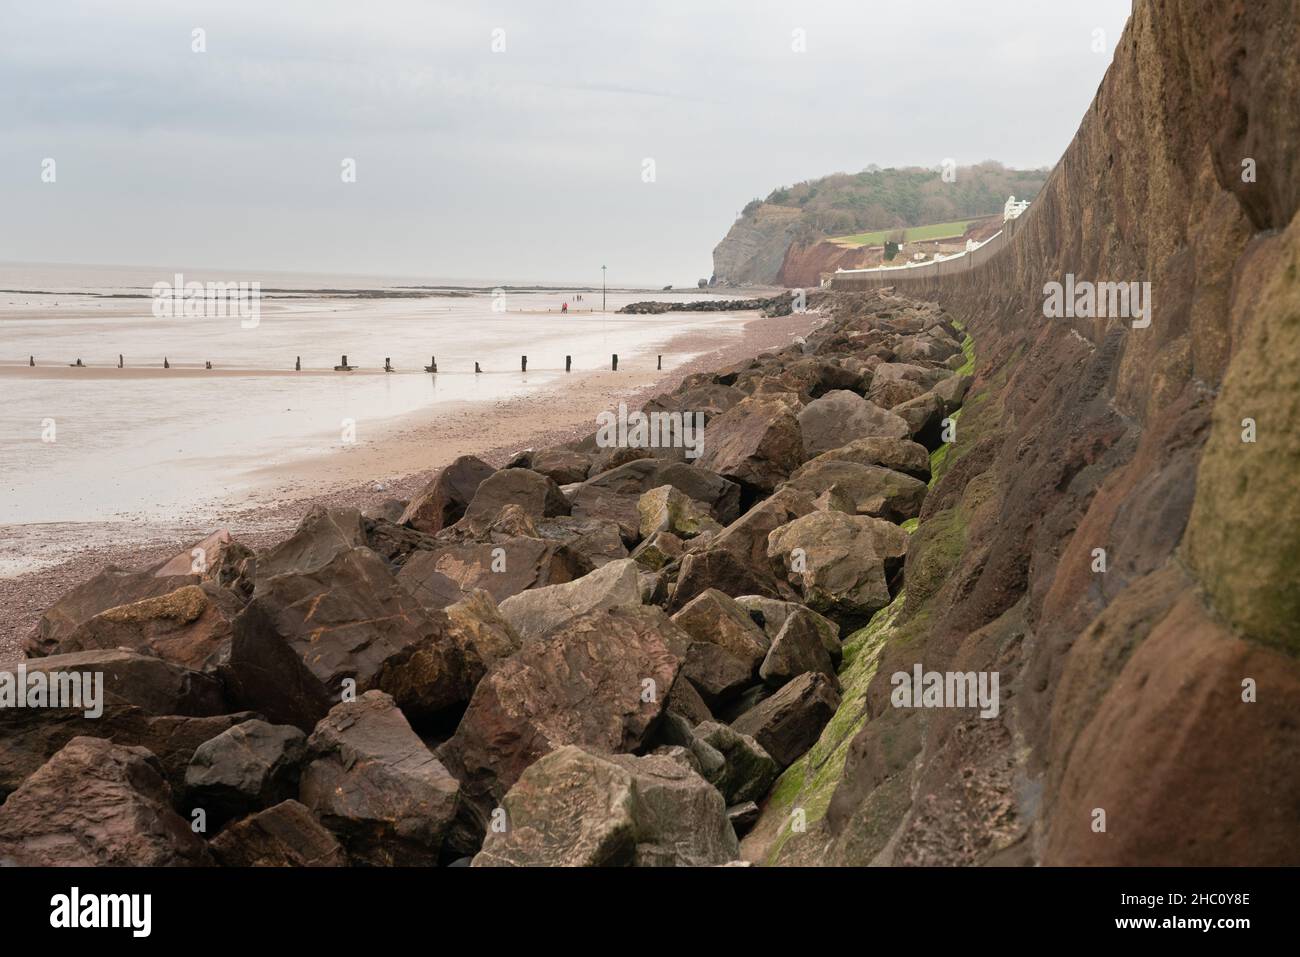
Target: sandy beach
412, 448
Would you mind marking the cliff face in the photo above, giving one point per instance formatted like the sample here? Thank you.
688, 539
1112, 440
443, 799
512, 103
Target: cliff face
754, 247
1148, 710
804, 263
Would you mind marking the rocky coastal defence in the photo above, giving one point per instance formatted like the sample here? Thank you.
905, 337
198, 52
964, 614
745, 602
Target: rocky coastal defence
601, 653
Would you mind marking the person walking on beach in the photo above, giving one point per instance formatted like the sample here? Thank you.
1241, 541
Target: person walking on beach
564, 308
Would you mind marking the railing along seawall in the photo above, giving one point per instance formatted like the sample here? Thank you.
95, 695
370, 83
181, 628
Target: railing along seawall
963, 263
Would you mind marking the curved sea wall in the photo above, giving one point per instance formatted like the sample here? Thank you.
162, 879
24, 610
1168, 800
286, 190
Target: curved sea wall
1117, 528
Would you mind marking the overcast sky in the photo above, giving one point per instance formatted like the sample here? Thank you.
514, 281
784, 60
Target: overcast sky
524, 164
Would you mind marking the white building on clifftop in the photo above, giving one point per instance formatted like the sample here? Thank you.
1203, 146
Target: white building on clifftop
1013, 209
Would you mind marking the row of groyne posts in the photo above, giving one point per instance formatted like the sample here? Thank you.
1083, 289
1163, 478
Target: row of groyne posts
432, 367
344, 366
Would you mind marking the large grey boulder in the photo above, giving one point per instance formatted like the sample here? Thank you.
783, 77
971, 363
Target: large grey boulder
924, 376
871, 490
375, 785
593, 541
249, 766
97, 804
895, 392
306, 639
539, 611
924, 417
901, 455
842, 565
717, 675
951, 391
217, 561
758, 442
285, 835
715, 618
842, 416
735, 560
563, 466
658, 551
665, 509
191, 626
613, 496
481, 634
443, 501
538, 495
599, 681
110, 588
443, 576
789, 722
748, 771
685, 702
771, 615
577, 808
796, 648
321, 536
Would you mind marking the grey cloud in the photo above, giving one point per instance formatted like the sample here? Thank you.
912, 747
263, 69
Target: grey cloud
523, 165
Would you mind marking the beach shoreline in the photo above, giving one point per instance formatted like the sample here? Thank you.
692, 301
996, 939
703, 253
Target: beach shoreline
413, 448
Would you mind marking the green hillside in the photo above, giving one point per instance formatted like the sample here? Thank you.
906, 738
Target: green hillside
849, 204
912, 234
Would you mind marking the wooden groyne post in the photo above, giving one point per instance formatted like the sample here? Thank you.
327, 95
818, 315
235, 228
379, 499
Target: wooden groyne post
433, 364
388, 364
568, 363
297, 363
523, 363
477, 370
614, 366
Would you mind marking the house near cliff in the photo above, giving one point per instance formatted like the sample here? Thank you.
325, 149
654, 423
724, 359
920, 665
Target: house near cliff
1013, 209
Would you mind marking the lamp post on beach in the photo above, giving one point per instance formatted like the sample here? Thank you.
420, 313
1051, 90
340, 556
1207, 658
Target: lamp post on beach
602, 288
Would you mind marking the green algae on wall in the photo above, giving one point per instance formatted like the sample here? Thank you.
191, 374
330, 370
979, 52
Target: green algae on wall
1243, 537
808, 784
934, 552
939, 457
968, 350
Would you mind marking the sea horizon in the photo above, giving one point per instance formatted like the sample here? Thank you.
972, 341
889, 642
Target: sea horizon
140, 273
